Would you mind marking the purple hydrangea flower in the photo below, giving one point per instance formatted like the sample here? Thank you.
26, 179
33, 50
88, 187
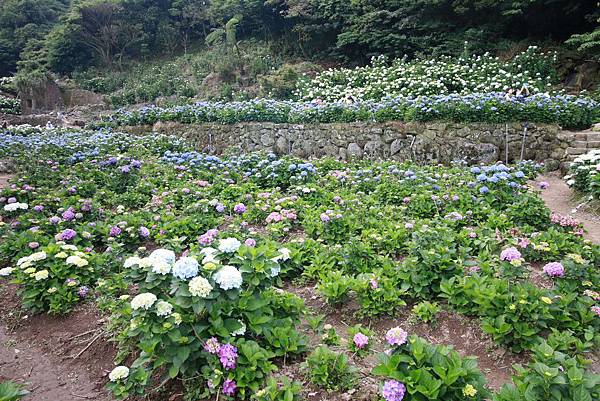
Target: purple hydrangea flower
115, 231
393, 390
68, 215
83, 291
220, 208
38, 208
325, 217
125, 169
54, 220
34, 245
554, 269
228, 356
250, 242
510, 254
68, 234
12, 200
229, 387
144, 232
240, 208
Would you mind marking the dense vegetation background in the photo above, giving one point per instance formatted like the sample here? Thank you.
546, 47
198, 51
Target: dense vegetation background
101, 42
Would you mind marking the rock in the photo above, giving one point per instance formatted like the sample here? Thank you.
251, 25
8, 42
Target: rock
373, 149
281, 146
476, 153
552, 164
267, 139
596, 127
396, 146
354, 151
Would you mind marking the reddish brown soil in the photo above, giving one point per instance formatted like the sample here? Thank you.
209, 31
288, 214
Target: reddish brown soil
450, 328
4, 178
39, 351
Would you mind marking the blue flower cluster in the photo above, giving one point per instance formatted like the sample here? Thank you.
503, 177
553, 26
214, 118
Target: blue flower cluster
568, 110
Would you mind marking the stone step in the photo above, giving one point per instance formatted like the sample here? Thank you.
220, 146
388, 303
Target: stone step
576, 151
593, 136
593, 144
580, 144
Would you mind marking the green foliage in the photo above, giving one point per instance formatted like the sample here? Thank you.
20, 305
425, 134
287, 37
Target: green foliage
279, 389
330, 370
433, 372
10, 391
425, 311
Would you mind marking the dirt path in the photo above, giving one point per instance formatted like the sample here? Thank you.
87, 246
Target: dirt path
560, 199
4, 180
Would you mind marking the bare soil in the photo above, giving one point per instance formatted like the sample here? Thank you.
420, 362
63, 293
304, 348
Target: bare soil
39, 351
4, 178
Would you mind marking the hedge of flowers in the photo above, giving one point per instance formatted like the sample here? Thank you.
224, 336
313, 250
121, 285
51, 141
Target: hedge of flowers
567, 110
9, 105
427, 77
584, 174
191, 256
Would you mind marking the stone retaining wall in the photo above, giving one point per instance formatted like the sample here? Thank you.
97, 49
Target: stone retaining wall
433, 142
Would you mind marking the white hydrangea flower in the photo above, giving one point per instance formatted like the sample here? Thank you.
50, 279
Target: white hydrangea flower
229, 245
68, 247
163, 254
41, 275
161, 267
22, 260
7, 271
176, 318
209, 255
185, 268
200, 287
131, 261
163, 308
143, 301
228, 277
77, 261
118, 373
11, 207
38, 256
241, 331
145, 262
283, 256
61, 255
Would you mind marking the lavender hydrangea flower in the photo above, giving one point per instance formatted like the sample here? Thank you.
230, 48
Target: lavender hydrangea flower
115, 231
554, 269
144, 232
360, 340
396, 336
510, 254
393, 390
240, 208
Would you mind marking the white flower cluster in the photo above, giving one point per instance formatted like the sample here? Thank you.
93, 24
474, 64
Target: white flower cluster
583, 172
229, 245
11, 207
228, 277
143, 301
118, 373
444, 75
163, 308
200, 287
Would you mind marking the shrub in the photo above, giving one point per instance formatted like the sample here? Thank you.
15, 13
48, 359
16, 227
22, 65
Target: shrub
330, 370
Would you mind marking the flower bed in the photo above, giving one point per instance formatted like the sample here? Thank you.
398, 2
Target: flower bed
567, 110
427, 77
9, 105
584, 174
196, 257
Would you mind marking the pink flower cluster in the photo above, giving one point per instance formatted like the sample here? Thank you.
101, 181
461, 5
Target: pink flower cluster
284, 214
563, 220
396, 336
208, 237
360, 340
